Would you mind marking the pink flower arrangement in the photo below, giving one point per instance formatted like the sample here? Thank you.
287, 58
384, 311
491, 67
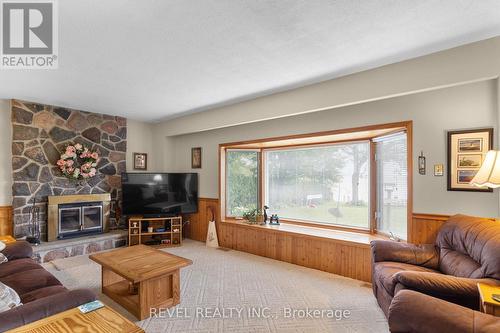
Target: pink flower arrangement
70, 151
78, 162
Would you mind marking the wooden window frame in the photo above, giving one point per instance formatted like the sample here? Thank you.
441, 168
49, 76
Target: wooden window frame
406, 126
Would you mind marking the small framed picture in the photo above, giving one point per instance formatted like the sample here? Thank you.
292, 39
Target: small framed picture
466, 152
438, 170
140, 161
469, 160
465, 176
470, 145
196, 158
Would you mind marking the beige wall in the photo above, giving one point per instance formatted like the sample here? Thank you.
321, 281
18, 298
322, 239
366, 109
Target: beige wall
139, 140
5, 153
433, 113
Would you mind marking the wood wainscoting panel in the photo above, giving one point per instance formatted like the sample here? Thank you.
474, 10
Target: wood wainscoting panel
197, 227
334, 256
6, 228
425, 227
344, 258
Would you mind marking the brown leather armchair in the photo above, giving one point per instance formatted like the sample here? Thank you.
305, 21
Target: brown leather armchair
467, 251
413, 312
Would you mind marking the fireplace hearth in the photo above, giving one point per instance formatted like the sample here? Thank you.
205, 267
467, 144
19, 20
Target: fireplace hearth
72, 216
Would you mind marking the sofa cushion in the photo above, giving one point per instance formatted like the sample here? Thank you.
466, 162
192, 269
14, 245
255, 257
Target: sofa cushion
412, 311
41, 293
469, 247
384, 273
19, 265
25, 281
9, 299
18, 250
383, 297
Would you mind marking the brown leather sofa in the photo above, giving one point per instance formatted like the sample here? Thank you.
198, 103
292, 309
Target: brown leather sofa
41, 293
467, 251
407, 315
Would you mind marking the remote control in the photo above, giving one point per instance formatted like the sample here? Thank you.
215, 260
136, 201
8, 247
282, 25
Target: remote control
91, 306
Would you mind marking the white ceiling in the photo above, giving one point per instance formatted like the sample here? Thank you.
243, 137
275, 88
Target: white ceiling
156, 59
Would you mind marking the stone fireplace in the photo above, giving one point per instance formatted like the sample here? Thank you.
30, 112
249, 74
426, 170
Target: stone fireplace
77, 215
39, 134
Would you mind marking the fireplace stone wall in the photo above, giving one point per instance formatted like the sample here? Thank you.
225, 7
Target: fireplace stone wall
39, 135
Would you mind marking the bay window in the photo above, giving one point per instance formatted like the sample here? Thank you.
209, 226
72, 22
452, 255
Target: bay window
351, 179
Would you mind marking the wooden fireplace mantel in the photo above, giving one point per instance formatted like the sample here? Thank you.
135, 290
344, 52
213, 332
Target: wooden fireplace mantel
65, 199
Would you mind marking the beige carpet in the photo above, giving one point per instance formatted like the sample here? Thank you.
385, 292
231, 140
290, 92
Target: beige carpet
221, 289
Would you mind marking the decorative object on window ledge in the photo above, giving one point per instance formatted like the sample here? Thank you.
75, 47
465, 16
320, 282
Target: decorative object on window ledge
421, 163
393, 237
275, 220
196, 158
78, 162
254, 216
489, 173
466, 152
140, 161
34, 227
265, 214
438, 169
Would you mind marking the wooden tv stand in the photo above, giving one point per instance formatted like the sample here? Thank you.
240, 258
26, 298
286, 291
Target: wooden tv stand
169, 237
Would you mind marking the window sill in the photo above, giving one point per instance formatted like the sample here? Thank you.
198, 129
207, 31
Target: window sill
341, 236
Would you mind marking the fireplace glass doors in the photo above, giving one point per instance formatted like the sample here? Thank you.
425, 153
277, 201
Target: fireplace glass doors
79, 219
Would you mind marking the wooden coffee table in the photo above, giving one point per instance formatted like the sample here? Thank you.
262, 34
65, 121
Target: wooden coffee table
102, 320
486, 303
141, 278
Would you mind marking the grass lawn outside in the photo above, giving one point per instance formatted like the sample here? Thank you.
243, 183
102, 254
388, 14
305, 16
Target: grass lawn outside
351, 216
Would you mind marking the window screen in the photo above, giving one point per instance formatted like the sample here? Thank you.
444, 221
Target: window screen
392, 194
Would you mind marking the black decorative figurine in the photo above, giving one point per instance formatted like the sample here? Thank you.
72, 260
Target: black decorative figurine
265, 214
274, 220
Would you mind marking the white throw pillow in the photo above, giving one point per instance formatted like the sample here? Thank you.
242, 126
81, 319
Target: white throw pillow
3, 258
8, 298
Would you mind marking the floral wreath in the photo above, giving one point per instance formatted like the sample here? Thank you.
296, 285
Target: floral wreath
78, 162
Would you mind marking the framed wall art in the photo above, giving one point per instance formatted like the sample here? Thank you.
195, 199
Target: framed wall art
140, 161
466, 152
196, 158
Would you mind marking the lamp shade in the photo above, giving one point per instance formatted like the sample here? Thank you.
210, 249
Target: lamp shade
489, 173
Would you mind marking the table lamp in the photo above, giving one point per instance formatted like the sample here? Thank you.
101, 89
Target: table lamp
489, 173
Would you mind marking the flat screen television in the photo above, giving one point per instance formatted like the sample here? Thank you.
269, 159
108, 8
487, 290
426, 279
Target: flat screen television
159, 194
